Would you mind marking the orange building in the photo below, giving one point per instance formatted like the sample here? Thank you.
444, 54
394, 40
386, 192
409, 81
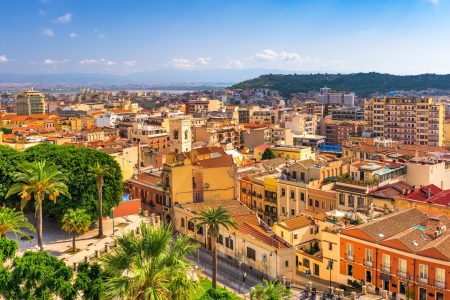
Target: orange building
406, 254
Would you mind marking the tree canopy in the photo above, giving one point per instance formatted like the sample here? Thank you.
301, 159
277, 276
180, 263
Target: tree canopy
363, 84
74, 162
268, 154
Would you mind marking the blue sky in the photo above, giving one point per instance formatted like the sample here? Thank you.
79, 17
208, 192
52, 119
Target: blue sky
118, 36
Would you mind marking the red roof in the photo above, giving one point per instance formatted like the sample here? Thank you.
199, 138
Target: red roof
424, 193
263, 146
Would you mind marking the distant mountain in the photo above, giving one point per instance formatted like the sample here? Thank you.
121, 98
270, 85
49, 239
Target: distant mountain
158, 77
363, 84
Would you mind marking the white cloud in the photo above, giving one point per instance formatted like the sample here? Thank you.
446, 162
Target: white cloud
101, 61
49, 61
66, 18
234, 64
3, 58
129, 63
269, 54
73, 35
48, 32
187, 64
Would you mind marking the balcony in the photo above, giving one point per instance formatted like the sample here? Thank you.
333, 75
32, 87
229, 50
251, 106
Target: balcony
386, 269
439, 284
349, 257
423, 280
402, 274
368, 263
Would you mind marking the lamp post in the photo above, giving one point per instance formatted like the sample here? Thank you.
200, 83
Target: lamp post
330, 267
112, 215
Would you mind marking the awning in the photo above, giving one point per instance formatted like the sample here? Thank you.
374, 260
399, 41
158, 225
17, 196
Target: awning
385, 277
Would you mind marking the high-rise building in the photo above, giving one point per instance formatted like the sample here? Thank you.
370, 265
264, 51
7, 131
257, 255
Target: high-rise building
412, 121
30, 102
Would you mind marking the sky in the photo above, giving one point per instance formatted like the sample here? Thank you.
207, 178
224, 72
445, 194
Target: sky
127, 36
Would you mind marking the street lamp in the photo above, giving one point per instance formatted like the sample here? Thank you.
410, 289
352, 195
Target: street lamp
330, 267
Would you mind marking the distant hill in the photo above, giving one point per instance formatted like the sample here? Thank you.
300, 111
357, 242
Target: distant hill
363, 84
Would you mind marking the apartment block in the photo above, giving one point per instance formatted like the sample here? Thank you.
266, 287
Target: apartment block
30, 102
412, 121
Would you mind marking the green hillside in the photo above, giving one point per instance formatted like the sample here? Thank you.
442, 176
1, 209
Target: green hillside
362, 84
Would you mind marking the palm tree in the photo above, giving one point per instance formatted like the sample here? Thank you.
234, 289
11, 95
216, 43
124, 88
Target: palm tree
212, 219
151, 266
38, 180
269, 290
14, 221
76, 222
99, 171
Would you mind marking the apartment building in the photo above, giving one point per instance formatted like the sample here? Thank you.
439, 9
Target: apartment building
226, 134
412, 121
338, 131
264, 117
245, 113
299, 123
406, 253
155, 137
30, 102
311, 108
273, 134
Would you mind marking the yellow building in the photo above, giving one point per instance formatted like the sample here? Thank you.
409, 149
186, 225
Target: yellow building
317, 242
204, 174
247, 246
293, 152
270, 199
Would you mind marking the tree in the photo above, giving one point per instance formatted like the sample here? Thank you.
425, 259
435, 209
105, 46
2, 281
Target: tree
75, 222
38, 180
75, 162
14, 221
268, 154
151, 266
269, 290
99, 172
89, 281
10, 159
39, 275
212, 219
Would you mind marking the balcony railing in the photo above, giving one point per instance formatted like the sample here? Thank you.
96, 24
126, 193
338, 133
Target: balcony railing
386, 269
423, 280
349, 257
439, 284
368, 263
402, 274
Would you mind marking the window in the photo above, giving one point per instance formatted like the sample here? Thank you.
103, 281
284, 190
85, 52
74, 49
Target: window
302, 196
351, 201
229, 243
294, 174
440, 277
310, 202
182, 222
293, 195
402, 288
200, 231
349, 270
386, 263
306, 263
302, 176
286, 263
283, 192
282, 233
251, 253
331, 206
324, 205
360, 201
292, 212
350, 251
316, 270
369, 255
191, 226
330, 246
341, 199
295, 236
423, 272
283, 210
402, 266
220, 239
316, 203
